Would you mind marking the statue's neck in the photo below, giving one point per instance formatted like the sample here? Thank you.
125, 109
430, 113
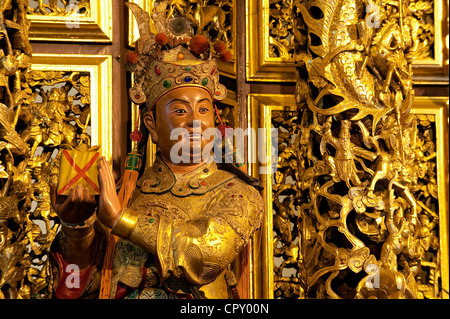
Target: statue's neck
181, 169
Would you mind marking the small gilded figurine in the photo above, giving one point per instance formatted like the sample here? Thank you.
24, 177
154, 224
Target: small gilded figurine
186, 221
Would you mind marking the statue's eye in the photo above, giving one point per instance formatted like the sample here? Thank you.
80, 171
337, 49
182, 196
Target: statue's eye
180, 111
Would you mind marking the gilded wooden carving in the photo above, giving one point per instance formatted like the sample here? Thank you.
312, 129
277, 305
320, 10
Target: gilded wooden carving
15, 174
56, 109
271, 31
357, 210
70, 20
288, 198
367, 231
64, 8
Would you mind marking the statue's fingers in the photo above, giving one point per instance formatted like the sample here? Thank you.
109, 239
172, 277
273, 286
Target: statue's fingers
101, 172
72, 195
60, 208
107, 175
78, 193
87, 198
108, 170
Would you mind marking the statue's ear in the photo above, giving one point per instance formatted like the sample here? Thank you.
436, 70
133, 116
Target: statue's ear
150, 124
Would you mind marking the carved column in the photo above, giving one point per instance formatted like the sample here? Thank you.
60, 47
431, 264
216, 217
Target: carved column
368, 228
15, 179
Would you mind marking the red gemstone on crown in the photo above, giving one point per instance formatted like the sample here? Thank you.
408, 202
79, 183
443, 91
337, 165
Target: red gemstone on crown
157, 70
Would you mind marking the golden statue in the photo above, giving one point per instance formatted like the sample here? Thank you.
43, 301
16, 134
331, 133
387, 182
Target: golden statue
186, 221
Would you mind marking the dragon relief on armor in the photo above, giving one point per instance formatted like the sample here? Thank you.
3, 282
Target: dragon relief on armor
361, 228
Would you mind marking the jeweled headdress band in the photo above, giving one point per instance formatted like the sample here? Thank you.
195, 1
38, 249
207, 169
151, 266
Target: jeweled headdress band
169, 60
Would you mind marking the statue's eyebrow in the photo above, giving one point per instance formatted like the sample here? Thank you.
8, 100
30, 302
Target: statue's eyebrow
205, 99
187, 102
177, 100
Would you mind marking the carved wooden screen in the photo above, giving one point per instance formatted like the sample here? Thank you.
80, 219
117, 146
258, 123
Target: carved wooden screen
54, 97
311, 246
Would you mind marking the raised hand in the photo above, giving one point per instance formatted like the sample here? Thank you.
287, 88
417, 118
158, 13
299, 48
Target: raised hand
109, 204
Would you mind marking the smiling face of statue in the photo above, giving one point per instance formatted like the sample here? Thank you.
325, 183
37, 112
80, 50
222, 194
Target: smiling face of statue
183, 113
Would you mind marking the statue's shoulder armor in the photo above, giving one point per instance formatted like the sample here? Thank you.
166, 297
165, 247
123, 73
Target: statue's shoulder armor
238, 204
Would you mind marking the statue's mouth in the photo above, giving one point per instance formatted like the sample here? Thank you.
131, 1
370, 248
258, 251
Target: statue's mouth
193, 137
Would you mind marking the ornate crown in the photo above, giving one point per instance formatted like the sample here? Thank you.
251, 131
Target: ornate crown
171, 59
